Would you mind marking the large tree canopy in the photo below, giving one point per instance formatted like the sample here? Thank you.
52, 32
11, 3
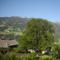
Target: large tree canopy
38, 34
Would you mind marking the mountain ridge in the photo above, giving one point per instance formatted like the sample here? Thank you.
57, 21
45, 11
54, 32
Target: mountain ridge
16, 24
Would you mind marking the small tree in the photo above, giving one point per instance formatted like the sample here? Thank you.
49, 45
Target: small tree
56, 50
38, 34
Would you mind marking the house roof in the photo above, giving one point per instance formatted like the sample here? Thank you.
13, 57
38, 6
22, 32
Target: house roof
7, 43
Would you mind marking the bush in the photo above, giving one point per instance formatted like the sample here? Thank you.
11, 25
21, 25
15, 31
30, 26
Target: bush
20, 50
1, 56
46, 57
30, 56
56, 51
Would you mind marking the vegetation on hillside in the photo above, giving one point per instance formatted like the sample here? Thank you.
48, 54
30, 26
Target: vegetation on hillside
14, 25
36, 35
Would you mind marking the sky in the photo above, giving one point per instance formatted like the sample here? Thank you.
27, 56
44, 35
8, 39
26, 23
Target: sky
47, 9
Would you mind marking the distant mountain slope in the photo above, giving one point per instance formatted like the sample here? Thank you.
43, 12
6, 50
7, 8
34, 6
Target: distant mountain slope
11, 27
57, 30
15, 24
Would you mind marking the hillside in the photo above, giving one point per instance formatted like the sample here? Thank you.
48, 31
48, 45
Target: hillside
57, 30
12, 26
12, 23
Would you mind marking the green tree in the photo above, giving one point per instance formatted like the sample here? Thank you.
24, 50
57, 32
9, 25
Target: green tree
56, 50
38, 34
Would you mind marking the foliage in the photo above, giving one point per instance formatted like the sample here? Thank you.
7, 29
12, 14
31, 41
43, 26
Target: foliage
12, 56
1, 56
31, 56
56, 50
8, 56
46, 57
38, 34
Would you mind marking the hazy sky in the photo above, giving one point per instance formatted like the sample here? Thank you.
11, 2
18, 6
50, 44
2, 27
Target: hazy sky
49, 9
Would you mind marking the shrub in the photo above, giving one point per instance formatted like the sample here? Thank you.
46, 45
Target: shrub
10, 56
56, 51
30, 56
1, 56
46, 57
